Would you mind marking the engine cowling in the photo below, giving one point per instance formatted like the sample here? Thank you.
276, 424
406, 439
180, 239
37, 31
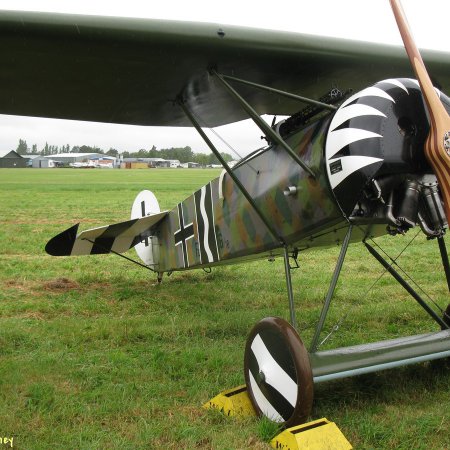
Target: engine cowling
374, 155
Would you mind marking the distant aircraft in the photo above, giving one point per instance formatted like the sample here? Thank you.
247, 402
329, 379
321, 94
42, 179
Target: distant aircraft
365, 159
82, 165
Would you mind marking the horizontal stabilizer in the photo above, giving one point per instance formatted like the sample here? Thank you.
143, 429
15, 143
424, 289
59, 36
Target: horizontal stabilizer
118, 237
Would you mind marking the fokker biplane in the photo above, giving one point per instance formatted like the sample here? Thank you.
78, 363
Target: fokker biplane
364, 152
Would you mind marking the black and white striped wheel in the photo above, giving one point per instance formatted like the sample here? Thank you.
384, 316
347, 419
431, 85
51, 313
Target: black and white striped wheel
278, 372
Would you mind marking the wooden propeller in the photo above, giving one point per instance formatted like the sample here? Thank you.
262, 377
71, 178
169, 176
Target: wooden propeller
437, 145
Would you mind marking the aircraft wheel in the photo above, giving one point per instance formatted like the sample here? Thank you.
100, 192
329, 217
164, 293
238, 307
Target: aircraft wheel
278, 372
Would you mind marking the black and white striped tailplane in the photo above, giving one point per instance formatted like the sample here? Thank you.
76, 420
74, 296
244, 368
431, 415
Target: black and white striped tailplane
117, 238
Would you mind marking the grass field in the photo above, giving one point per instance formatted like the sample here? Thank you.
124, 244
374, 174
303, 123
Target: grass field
95, 355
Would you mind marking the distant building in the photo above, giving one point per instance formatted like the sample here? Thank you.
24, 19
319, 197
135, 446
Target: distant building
190, 165
136, 163
13, 160
174, 163
29, 158
43, 163
67, 158
105, 162
158, 162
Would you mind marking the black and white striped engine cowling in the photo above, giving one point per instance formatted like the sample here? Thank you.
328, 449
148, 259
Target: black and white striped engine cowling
378, 131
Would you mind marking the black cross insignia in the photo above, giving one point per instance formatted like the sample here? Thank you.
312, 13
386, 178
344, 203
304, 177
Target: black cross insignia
185, 233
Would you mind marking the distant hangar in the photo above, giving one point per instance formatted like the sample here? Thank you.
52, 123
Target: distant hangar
12, 160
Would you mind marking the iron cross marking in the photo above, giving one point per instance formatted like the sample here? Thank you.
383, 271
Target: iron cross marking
182, 235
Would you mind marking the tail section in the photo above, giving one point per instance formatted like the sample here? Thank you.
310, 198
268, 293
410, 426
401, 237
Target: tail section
118, 237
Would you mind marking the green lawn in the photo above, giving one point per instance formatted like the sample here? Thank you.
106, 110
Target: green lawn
94, 354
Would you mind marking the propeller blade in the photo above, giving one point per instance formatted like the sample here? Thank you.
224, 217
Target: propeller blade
437, 145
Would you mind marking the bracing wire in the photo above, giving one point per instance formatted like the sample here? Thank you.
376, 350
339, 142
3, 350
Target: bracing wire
205, 125
122, 256
409, 277
339, 323
224, 141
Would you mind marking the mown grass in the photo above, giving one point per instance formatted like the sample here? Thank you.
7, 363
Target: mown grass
94, 354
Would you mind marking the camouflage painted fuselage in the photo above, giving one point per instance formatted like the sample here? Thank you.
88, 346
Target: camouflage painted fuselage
369, 169
217, 224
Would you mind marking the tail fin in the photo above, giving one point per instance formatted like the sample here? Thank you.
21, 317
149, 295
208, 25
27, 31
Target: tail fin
146, 205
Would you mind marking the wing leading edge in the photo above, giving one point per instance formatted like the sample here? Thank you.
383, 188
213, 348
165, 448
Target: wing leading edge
130, 71
117, 238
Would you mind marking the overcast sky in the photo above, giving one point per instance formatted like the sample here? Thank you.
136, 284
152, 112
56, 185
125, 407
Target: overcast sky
355, 19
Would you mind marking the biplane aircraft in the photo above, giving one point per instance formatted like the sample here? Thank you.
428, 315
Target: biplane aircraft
364, 152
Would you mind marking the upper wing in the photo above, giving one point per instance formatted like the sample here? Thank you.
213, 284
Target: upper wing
118, 237
131, 70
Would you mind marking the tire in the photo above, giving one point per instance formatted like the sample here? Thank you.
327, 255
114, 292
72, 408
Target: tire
278, 372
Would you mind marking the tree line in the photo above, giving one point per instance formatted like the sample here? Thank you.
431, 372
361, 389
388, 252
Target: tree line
182, 154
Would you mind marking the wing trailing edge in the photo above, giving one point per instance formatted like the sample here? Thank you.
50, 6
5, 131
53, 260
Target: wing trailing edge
117, 238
